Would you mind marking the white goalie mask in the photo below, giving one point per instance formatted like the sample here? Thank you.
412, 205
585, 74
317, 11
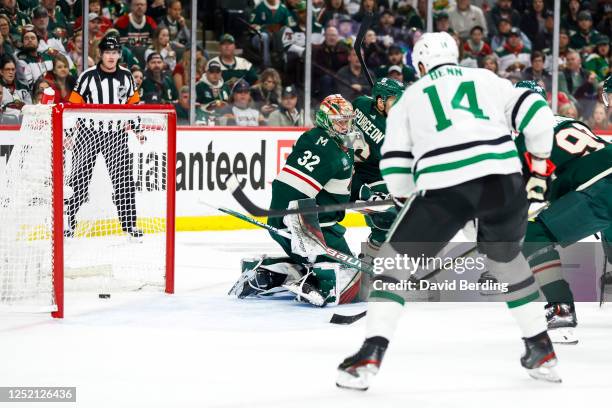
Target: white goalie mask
434, 49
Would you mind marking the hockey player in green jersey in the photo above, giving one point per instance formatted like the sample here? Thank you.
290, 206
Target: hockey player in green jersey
320, 166
370, 119
580, 197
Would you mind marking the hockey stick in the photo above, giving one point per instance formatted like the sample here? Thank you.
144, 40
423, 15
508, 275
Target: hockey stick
234, 186
350, 319
331, 253
363, 29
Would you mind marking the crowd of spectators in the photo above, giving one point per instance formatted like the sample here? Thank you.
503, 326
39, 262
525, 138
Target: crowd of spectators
256, 76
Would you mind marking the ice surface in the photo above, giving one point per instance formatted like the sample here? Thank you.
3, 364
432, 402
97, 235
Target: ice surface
201, 348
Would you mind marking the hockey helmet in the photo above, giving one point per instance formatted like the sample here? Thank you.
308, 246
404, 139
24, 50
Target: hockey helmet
387, 87
109, 43
533, 85
607, 91
434, 49
335, 116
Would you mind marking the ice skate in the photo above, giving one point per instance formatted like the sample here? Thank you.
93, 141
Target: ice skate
561, 320
540, 359
355, 371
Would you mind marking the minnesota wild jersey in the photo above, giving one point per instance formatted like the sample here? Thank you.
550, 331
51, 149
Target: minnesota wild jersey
372, 125
316, 168
580, 156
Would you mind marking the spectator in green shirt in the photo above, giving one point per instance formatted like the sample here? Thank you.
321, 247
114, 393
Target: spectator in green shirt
268, 18
585, 38
233, 67
157, 86
597, 62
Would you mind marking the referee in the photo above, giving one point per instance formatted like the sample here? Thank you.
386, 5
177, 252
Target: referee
105, 83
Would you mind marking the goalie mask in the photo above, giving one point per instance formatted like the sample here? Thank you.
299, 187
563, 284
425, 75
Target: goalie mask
335, 116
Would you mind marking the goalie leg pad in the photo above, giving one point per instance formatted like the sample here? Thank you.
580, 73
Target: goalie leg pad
261, 276
339, 284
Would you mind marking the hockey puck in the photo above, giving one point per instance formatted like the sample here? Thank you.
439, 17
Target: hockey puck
104, 295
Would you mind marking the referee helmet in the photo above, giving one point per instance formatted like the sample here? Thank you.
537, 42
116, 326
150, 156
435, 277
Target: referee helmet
109, 44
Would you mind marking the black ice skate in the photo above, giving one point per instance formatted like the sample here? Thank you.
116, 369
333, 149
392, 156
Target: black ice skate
561, 320
355, 371
539, 358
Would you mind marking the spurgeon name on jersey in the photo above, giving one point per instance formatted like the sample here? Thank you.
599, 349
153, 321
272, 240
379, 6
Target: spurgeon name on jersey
316, 168
441, 144
372, 125
574, 140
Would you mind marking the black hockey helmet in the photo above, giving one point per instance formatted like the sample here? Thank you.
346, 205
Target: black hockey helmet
109, 43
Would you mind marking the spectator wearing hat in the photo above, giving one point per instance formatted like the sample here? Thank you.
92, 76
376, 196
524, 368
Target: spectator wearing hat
136, 28
597, 62
211, 88
395, 56
160, 43
328, 58
585, 38
240, 112
46, 40
175, 22
502, 10
442, 22
332, 10
266, 93
268, 18
232, 66
464, 16
575, 81
351, 79
513, 51
346, 29
537, 71
475, 47
569, 20
395, 72
157, 85
288, 115
293, 40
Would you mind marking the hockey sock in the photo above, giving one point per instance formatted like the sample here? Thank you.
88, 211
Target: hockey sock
546, 268
383, 316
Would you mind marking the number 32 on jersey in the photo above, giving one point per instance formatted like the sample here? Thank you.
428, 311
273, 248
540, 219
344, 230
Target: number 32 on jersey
309, 161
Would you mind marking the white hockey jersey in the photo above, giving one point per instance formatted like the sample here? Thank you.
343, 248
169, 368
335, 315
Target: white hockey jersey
453, 125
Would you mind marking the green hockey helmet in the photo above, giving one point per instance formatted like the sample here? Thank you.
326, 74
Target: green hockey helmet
387, 87
607, 90
533, 85
335, 116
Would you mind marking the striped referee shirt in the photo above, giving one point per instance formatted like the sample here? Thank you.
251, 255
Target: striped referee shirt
96, 86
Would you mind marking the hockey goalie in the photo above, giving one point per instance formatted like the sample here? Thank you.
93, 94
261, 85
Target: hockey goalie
319, 168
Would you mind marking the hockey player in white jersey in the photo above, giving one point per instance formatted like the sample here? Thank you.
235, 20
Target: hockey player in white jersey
449, 157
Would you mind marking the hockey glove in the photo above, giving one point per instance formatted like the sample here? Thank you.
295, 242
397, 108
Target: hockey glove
540, 170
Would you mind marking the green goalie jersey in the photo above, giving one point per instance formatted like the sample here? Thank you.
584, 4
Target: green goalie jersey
319, 168
579, 156
372, 124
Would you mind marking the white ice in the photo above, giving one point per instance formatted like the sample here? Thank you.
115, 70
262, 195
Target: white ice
201, 348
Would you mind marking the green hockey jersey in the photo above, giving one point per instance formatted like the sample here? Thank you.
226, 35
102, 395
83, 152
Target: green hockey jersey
316, 168
372, 125
579, 156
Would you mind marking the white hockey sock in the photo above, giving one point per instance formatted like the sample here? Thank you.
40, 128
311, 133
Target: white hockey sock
530, 318
382, 319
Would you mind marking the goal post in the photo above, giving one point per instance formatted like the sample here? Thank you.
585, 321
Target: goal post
87, 203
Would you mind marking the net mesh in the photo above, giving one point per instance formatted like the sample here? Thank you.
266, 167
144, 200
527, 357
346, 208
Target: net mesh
115, 178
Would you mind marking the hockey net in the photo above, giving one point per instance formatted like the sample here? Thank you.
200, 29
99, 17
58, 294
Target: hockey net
87, 204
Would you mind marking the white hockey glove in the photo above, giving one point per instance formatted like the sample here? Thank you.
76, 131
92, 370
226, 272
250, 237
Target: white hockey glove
539, 179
